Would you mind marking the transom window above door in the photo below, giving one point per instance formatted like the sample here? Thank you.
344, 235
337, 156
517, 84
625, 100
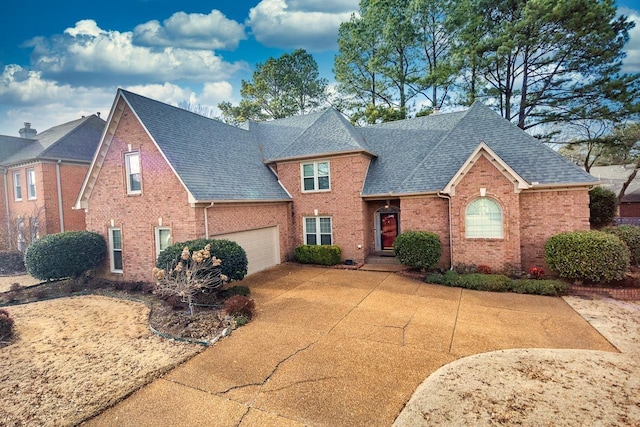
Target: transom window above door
315, 176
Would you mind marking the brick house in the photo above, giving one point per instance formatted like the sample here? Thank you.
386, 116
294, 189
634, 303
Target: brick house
41, 177
490, 191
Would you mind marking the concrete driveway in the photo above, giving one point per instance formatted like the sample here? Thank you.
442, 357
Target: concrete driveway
333, 347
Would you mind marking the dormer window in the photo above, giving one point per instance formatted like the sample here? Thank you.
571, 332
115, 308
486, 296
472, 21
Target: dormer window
315, 176
132, 164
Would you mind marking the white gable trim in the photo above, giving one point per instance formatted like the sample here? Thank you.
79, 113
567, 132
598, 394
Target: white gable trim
483, 149
110, 129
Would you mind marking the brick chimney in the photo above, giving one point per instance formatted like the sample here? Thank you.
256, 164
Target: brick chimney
27, 132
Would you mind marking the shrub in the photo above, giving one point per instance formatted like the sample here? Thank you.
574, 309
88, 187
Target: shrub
587, 255
602, 206
463, 268
197, 272
236, 290
11, 262
68, 254
233, 257
484, 269
630, 235
476, 281
536, 273
539, 287
418, 249
6, 325
239, 305
318, 254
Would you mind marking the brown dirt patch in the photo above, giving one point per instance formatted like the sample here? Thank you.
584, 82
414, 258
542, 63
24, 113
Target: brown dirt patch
73, 357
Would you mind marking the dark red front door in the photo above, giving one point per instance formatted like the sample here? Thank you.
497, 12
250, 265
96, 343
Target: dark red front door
389, 227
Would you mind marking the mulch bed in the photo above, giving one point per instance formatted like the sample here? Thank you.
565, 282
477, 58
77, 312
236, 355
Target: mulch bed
169, 317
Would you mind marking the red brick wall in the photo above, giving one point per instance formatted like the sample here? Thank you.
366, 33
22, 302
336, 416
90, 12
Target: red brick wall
163, 196
428, 213
71, 179
343, 203
629, 209
28, 208
496, 253
545, 213
228, 218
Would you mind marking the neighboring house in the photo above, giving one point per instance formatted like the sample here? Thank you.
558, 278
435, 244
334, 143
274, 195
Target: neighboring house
613, 177
490, 191
41, 176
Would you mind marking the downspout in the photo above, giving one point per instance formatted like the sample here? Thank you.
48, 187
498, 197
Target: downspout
60, 209
6, 203
446, 196
206, 221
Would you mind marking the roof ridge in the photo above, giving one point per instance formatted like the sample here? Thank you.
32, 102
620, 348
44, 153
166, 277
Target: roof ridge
305, 130
83, 122
440, 142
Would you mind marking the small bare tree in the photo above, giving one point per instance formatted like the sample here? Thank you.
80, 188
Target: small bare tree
194, 273
19, 231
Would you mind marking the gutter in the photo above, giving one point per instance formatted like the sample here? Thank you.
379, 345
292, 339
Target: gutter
59, 188
446, 196
6, 203
206, 221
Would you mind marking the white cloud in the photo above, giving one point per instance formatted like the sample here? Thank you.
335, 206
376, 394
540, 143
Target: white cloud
88, 54
631, 63
191, 31
308, 24
27, 97
215, 93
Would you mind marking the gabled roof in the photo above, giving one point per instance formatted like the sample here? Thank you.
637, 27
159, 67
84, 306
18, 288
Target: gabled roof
74, 141
436, 147
329, 133
213, 160
9, 145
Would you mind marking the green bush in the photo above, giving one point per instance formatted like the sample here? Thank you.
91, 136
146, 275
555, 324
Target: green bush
233, 257
587, 255
318, 254
498, 283
602, 206
418, 249
68, 254
11, 262
630, 235
539, 287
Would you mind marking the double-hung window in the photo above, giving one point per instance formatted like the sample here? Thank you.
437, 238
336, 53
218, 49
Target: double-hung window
163, 239
115, 243
31, 184
317, 231
132, 164
483, 219
17, 187
315, 176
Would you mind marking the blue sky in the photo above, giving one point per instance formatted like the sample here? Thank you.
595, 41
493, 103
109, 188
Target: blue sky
61, 60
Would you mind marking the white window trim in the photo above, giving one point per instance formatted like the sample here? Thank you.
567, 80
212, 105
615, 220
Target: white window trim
31, 182
127, 156
317, 233
466, 219
315, 176
157, 236
17, 185
112, 250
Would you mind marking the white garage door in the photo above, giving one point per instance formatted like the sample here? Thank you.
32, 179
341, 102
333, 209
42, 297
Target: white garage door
262, 247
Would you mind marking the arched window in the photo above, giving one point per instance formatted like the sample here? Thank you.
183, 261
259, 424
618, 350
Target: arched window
484, 219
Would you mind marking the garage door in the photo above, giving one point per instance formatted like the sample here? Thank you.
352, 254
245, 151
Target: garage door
261, 245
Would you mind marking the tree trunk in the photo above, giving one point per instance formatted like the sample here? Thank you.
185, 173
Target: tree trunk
627, 183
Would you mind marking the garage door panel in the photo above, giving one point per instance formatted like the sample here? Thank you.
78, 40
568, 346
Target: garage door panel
261, 245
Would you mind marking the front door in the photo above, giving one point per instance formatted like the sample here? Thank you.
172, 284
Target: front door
389, 229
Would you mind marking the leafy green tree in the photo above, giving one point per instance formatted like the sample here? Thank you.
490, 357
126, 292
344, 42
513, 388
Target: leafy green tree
280, 88
544, 60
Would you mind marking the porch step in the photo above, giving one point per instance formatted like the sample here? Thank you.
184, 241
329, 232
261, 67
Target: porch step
382, 259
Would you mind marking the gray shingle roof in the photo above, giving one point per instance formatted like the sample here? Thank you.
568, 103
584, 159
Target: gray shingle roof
436, 147
76, 140
215, 161
10, 145
314, 134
